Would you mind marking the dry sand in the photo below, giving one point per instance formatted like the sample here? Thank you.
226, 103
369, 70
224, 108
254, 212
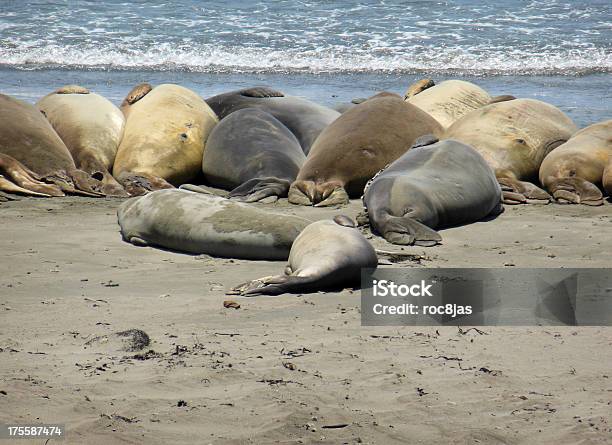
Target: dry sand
292, 369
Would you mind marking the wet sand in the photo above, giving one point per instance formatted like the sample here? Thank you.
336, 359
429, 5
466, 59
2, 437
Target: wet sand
291, 369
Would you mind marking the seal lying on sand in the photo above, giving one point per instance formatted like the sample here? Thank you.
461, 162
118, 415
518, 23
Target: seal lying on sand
253, 153
573, 171
303, 118
514, 137
198, 223
444, 184
91, 127
164, 138
447, 101
28, 138
326, 254
357, 145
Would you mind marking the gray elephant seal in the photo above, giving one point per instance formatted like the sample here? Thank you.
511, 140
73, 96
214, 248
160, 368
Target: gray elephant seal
164, 138
199, 223
514, 137
358, 144
27, 137
325, 255
253, 153
430, 187
303, 118
447, 101
573, 171
91, 127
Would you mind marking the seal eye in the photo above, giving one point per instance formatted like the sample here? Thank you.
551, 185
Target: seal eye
521, 141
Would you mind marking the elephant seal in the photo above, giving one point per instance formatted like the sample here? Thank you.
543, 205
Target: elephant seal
164, 138
137, 93
443, 184
253, 153
447, 101
514, 137
303, 118
91, 127
357, 145
28, 138
573, 171
197, 223
326, 254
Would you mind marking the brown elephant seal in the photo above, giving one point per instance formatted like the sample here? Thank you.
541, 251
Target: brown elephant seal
449, 100
514, 137
357, 145
27, 137
305, 119
200, 223
573, 171
418, 87
91, 127
164, 138
326, 254
253, 153
443, 184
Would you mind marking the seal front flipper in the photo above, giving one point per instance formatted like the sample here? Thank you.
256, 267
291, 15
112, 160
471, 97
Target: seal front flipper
261, 92
141, 183
407, 231
257, 189
575, 191
520, 192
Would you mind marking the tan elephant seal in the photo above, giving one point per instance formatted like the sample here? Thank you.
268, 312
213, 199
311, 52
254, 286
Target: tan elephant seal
514, 137
449, 100
164, 138
573, 171
27, 137
198, 223
91, 127
326, 254
355, 146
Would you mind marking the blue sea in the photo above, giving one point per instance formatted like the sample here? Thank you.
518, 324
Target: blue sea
328, 51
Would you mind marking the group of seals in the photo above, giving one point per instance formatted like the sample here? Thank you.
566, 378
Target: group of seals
433, 186
91, 127
355, 146
165, 134
305, 119
574, 170
34, 153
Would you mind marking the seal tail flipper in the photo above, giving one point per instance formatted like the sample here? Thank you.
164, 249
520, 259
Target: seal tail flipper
260, 188
521, 192
575, 191
85, 184
20, 179
407, 231
272, 285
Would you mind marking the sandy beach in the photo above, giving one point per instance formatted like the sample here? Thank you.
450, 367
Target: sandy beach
290, 369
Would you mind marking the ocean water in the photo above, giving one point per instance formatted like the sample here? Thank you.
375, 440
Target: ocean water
328, 51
